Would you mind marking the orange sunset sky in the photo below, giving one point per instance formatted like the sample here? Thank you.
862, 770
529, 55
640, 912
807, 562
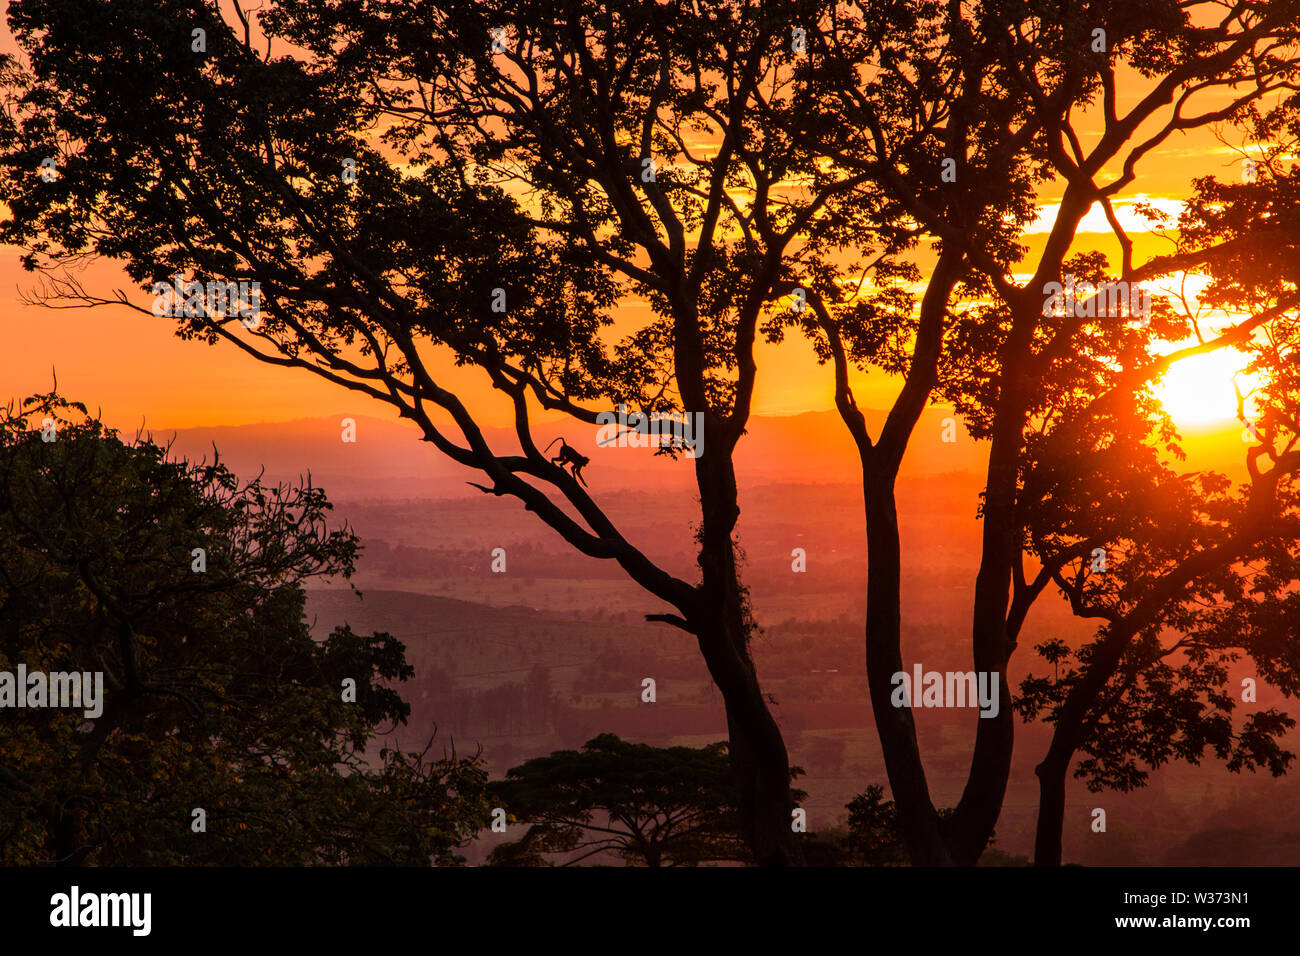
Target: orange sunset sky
134, 368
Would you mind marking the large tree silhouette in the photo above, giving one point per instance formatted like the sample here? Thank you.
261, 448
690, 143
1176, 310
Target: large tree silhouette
1201, 571
554, 159
999, 94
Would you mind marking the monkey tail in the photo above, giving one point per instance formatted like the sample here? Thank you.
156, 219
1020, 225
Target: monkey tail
553, 441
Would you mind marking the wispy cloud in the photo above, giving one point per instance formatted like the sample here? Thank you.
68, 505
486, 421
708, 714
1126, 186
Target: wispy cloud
1095, 221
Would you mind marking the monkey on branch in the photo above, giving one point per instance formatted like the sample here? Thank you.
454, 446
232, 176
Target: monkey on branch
568, 456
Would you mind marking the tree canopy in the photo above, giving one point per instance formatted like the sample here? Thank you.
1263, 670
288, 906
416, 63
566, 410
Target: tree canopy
652, 806
183, 587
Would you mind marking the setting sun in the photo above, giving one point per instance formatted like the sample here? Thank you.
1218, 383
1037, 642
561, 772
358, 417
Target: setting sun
1199, 390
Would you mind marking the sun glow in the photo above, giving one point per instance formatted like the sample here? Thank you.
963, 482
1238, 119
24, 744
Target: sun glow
1199, 390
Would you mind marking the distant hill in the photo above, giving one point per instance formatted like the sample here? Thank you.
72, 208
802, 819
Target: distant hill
388, 459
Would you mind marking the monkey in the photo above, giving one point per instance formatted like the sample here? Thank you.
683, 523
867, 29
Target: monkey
567, 456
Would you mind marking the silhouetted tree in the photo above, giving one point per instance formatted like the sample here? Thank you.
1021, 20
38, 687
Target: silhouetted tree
652, 806
1201, 571
183, 587
745, 168
364, 177
875, 836
962, 113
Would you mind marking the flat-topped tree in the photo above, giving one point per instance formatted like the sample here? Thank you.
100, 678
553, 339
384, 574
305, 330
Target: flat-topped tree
408, 167
652, 806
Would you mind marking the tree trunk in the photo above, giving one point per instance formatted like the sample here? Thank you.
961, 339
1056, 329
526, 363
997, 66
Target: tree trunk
761, 770
1051, 809
894, 725
759, 761
971, 826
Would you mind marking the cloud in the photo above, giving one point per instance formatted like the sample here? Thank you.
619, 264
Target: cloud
1095, 220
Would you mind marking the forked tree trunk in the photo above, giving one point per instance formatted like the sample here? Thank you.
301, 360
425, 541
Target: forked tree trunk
895, 726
